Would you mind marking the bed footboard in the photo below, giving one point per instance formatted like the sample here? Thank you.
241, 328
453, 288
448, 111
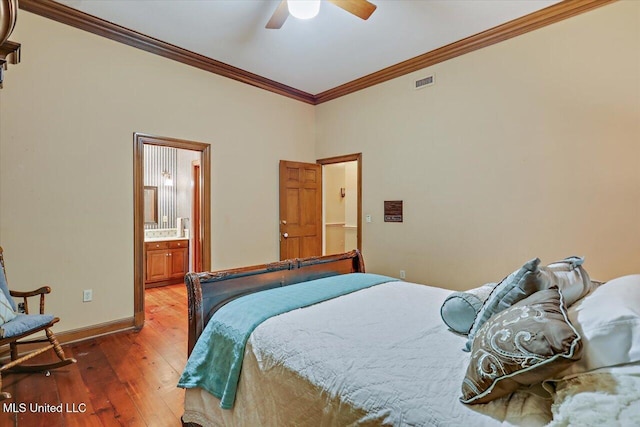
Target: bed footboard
208, 291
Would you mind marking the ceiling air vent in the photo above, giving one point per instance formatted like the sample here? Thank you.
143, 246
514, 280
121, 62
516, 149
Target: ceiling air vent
424, 82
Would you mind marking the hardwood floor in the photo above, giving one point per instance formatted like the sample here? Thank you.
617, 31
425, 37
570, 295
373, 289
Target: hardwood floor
123, 379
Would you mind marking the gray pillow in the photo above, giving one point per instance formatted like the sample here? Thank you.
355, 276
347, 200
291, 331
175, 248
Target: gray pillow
515, 287
459, 310
526, 344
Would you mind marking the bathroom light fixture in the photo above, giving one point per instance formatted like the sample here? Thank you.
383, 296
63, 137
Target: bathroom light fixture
303, 9
167, 178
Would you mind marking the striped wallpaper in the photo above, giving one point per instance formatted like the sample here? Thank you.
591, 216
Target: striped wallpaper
156, 160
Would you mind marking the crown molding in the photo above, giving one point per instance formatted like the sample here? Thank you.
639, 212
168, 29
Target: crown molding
542, 18
550, 15
75, 18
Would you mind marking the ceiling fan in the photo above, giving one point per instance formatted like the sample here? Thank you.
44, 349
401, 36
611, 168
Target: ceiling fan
360, 8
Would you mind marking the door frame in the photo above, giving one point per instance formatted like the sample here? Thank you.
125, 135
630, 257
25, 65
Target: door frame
357, 157
196, 209
139, 140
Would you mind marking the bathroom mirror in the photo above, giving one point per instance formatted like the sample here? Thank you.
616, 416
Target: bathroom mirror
150, 205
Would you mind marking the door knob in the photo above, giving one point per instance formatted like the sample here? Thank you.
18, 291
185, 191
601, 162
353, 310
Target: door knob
284, 222
285, 235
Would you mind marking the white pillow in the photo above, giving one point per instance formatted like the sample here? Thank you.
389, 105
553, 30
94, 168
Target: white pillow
608, 320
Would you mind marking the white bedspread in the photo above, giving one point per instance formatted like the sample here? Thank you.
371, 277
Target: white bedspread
354, 361
401, 370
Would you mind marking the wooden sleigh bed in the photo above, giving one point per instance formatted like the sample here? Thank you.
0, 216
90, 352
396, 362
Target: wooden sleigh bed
207, 292
380, 355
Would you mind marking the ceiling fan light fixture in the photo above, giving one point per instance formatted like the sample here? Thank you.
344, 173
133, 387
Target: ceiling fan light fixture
303, 9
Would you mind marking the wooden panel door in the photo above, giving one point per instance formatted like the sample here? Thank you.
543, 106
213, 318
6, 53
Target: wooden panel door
300, 209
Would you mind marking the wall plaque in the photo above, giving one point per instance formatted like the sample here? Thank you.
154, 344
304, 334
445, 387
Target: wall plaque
393, 211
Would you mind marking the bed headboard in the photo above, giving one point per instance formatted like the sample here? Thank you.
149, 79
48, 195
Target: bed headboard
208, 291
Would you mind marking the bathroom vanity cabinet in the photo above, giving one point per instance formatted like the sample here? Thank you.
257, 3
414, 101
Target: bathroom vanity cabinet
167, 261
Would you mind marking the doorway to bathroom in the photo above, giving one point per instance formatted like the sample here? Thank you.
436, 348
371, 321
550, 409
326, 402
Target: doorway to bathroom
171, 213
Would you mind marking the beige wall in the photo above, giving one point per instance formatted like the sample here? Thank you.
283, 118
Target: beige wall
528, 148
68, 112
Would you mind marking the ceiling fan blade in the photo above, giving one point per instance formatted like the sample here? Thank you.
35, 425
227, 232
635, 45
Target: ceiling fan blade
279, 16
360, 8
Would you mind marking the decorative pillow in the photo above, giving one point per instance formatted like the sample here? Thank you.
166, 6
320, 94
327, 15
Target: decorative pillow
4, 288
6, 311
570, 278
608, 320
515, 287
523, 345
460, 308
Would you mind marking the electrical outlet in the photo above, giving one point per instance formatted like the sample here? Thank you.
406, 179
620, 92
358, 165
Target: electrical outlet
87, 295
403, 274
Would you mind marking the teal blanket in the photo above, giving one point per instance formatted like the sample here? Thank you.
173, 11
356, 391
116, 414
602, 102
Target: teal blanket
216, 359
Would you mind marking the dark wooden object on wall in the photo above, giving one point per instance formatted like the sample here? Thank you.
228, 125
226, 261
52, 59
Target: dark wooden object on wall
8, 16
208, 291
9, 51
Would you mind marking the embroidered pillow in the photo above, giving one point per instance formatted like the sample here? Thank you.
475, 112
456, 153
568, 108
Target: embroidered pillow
459, 310
523, 345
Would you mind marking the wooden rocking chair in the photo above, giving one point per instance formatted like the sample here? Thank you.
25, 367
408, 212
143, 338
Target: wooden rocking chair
20, 326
